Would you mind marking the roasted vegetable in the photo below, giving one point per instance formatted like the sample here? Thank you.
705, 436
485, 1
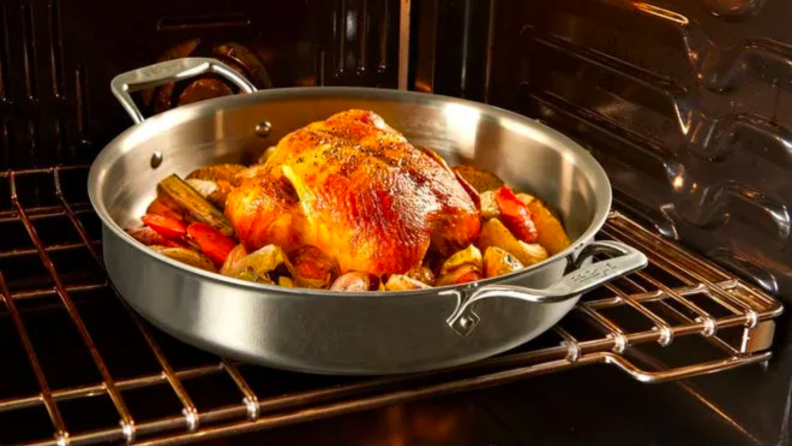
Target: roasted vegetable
232, 266
494, 233
313, 268
525, 199
480, 179
515, 215
489, 207
468, 256
174, 190
286, 282
187, 256
551, 234
218, 172
463, 274
356, 281
401, 282
214, 192
149, 237
422, 274
160, 207
532, 253
214, 244
266, 265
203, 187
222, 176
170, 228
498, 262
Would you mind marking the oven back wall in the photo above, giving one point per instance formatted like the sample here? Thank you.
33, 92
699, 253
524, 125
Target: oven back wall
57, 58
688, 106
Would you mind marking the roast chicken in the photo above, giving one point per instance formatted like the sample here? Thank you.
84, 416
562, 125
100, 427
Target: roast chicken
360, 192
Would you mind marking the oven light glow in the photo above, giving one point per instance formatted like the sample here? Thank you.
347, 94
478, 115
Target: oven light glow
679, 182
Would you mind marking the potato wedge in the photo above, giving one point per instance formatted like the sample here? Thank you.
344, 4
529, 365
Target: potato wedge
468, 256
489, 207
498, 262
494, 233
463, 274
551, 234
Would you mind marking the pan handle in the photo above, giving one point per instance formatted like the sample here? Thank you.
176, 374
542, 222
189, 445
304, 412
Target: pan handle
167, 72
584, 278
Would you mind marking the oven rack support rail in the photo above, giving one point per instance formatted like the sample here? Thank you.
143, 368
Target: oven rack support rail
679, 296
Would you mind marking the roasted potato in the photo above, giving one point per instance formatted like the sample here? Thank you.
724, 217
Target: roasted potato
489, 207
498, 262
313, 268
401, 282
551, 234
463, 274
188, 256
480, 179
494, 233
286, 281
468, 256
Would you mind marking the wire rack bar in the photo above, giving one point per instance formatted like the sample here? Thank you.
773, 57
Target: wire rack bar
127, 424
189, 410
744, 305
45, 396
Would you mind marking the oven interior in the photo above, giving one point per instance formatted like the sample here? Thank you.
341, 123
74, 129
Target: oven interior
682, 103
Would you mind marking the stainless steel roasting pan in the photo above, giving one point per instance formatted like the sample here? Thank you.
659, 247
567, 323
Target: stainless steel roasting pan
351, 333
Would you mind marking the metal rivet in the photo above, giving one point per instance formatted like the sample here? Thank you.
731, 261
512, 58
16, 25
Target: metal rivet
156, 159
464, 322
263, 129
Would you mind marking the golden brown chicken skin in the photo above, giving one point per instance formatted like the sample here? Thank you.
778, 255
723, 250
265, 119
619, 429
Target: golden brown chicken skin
356, 189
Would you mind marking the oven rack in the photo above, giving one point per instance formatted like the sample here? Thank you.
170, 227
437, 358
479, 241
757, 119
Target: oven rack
50, 262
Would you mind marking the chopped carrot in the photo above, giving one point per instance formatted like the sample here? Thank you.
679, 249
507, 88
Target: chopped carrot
515, 215
212, 242
159, 207
170, 228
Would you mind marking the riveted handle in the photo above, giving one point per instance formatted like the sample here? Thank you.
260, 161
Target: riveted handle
627, 259
167, 72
